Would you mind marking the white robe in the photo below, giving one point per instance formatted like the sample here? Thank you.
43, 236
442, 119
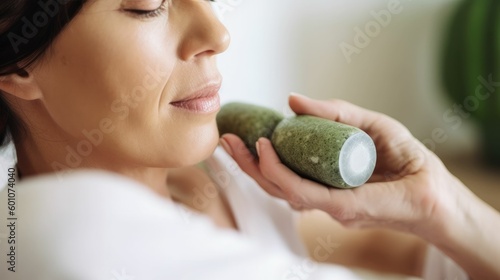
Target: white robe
92, 225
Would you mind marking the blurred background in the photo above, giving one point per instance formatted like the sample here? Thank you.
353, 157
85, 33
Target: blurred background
380, 54
295, 45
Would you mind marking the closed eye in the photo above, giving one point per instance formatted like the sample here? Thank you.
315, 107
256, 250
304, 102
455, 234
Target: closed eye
151, 13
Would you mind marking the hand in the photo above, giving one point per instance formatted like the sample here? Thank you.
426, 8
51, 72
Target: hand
410, 190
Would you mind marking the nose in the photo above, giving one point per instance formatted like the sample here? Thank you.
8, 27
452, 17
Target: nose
202, 34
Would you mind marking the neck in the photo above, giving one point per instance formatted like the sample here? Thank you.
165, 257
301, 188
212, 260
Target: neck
38, 156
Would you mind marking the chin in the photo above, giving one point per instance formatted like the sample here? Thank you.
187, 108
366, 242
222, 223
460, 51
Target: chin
206, 152
198, 150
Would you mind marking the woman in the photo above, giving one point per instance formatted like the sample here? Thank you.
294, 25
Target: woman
130, 87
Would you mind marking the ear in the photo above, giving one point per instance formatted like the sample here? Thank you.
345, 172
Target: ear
21, 84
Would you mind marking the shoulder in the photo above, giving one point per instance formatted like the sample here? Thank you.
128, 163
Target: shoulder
82, 218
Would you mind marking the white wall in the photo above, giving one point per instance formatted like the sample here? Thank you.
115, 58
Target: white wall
280, 46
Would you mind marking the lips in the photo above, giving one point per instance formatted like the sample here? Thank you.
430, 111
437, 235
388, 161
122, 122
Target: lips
205, 100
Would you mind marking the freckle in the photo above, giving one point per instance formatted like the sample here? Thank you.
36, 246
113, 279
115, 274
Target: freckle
64, 60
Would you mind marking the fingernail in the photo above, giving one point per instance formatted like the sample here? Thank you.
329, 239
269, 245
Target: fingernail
297, 94
257, 147
226, 146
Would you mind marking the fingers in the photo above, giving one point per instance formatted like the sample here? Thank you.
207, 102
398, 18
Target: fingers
298, 191
398, 150
373, 123
248, 163
274, 177
372, 204
336, 110
385, 200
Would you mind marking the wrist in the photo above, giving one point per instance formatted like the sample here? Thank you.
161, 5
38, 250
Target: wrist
455, 213
466, 232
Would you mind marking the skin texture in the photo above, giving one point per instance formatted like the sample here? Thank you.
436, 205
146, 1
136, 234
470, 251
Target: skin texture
186, 181
111, 67
411, 190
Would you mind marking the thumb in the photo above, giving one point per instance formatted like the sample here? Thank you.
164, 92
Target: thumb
334, 109
301, 104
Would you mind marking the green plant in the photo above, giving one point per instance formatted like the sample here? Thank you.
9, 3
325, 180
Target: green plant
471, 68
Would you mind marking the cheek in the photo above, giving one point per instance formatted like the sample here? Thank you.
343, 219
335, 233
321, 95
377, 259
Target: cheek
102, 74
101, 68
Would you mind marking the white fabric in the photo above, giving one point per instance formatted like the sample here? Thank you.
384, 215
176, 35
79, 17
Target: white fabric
438, 266
92, 225
261, 217
8, 159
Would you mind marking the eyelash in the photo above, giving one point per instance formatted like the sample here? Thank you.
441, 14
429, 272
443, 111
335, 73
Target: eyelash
152, 13
148, 14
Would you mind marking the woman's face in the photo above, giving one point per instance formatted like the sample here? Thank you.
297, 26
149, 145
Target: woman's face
119, 75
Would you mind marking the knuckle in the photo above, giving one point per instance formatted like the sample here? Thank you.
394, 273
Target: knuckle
297, 207
243, 152
412, 157
270, 189
266, 170
293, 198
344, 216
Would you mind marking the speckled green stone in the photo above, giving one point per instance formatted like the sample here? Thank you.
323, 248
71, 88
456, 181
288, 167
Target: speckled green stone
311, 147
330, 153
249, 122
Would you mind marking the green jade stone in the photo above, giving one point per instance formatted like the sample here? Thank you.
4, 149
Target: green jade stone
321, 150
325, 151
249, 122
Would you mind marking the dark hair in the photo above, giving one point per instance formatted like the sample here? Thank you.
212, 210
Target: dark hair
27, 30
